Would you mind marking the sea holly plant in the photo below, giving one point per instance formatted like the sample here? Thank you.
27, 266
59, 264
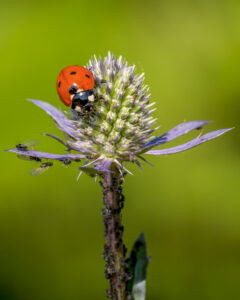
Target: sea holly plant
120, 128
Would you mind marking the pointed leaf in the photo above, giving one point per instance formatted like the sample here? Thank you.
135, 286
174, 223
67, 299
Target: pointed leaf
174, 133
138, 262
46, 155
193, 143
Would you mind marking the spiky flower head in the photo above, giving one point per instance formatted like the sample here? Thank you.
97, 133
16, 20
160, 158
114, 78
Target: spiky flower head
121, 120
119, 126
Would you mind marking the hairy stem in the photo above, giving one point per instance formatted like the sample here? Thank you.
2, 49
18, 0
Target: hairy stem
114, 249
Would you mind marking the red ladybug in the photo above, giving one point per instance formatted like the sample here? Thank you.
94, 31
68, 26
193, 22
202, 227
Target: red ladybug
75, 86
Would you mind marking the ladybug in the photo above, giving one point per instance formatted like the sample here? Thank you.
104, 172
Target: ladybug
75, 87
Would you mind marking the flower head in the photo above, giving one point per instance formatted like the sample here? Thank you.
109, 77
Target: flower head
119, 128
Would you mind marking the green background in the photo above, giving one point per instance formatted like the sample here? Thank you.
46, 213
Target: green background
188, 204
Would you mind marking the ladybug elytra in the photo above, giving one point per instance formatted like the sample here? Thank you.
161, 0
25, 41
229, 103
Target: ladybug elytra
75, 86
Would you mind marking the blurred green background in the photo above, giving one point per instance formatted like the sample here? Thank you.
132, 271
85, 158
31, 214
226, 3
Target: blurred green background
188, 204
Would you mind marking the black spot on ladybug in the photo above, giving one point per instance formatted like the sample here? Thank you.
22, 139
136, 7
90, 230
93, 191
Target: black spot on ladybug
87, 76
59, 83
73, 73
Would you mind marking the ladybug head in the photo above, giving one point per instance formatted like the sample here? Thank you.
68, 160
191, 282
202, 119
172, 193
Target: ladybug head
82, 98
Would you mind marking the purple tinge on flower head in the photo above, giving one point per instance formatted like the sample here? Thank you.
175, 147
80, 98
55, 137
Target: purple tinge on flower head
193, 143
103, 166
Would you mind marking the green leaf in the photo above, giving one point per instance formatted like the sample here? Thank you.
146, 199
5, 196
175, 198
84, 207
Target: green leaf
137, 264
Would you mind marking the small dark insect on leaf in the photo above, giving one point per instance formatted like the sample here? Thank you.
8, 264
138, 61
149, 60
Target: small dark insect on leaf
46, 164
24, 146
66, 162
43, 167
35, 158
21, 147
29, 158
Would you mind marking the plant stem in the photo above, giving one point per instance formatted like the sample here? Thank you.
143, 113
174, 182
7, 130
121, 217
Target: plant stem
114, 250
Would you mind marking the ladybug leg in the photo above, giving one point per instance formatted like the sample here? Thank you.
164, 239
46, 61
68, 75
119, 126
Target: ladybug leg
88, 105
97, 97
